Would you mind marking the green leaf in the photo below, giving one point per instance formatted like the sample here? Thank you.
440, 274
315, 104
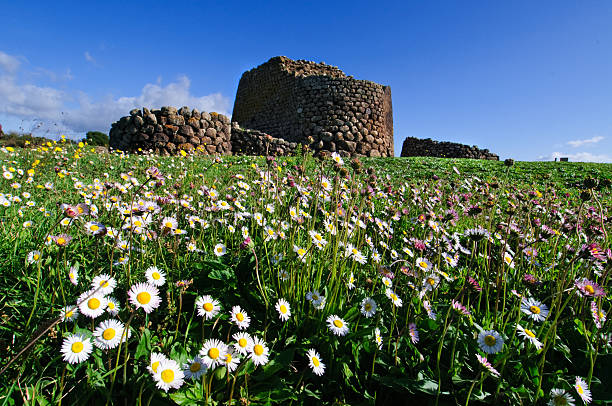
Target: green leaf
144, 345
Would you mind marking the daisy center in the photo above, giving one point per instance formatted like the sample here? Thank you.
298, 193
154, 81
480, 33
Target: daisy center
590, 289
431, 281
36, 256
195, 367
93, 303
69, 314
143, 297
154, 366
70, 275
213, 353
579, 389
529, 333
167, 375
77, 347
239, 317
423, 264
109, 334
338, 323
315, 361
111, 305
535, 309
490, 340
368, 307
168, 225
242, 342
94, 227
258, 349
283, 309
61, 240
156, 275
104, 284
208, 307
228, 358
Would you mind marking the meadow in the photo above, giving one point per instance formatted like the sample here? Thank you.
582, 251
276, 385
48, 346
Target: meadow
190, 280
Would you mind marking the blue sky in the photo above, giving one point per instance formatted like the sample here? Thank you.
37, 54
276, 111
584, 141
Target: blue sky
527, 80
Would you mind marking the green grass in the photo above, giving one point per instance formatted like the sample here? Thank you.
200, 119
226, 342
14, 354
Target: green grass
385, 208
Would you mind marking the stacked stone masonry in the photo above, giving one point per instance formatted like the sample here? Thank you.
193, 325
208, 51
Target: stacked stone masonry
168, 130
314, 103
427, 147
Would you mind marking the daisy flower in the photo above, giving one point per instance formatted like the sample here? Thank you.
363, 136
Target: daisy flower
156, 359
231, 360
589, 288
105, 282
508, 259
560, 397
112, 306
534, 309
378, 338
460, 307
599, 316
155, 276
313, 296
490, 341
73, 275
483, 361
424, 264
169, 223
387, 282
213, 353
337, 325
583, 390
69, 313
243, 342
368, 307
529, 336
259, 351
314, 361
414, 333
351, 282
394, 298
169, 375
108, 334
283, 309
431, 282
336, 158
76, 348
92, 305
33, 256
207, 307
240, 317
220, 250
145, 296
194, 368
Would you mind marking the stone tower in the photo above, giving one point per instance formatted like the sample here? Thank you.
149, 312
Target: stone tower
294, 100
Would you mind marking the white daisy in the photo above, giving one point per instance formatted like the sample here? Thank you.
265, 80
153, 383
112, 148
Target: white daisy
337, 325
231, 360
243, 342
314, 361
92, 305
145, 296
155, 276
378, 338
283, 309
73, 275
394, 298
490, 341
112, 306
156, 359
213, 353
194, 368
560, 397
33, 256
368, 307
583, 390
534, 309
259, 351
207, 307
105, 282
69, 313
220, 250
240, 317
108, 334
76, 348
529, 336
169, 375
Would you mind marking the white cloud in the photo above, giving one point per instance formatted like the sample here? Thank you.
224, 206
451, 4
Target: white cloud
579, 143
577, 157
9, 63
89, 58
76, 112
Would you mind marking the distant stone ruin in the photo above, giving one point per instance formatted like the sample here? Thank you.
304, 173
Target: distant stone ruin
427, 147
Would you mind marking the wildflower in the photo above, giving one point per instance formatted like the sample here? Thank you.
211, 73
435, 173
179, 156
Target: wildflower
73, 275
155, 276
145, 296
220, 250
336, 158
490, 341
588, 288
368, 307
213, 353
76, 348
62, 240
431, 282
313, 296
194, 368
317, 239
599, 316
108, 334
155, 360
95, 228
337, 325
259, 352
70, 313
534, 309
207, 307
378, 338
387, 282
243, 342
560, 397
104, 283
169, 375
394, 298
483, 361
424, 264
450, 260
477, 234
92, 304
169, 224
33, 256
529, 336
508, 259
583, 390
112, 306
413, 332
240, 317
460, 307
283, 309
314, 361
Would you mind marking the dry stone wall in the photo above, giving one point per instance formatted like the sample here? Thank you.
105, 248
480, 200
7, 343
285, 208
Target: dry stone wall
427, 147
168, 130
295, 100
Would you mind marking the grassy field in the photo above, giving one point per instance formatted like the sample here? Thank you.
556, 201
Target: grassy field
144, 280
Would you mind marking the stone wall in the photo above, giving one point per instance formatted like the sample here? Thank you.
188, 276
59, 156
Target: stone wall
427, 147
294, 100
254, 142
168, 130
